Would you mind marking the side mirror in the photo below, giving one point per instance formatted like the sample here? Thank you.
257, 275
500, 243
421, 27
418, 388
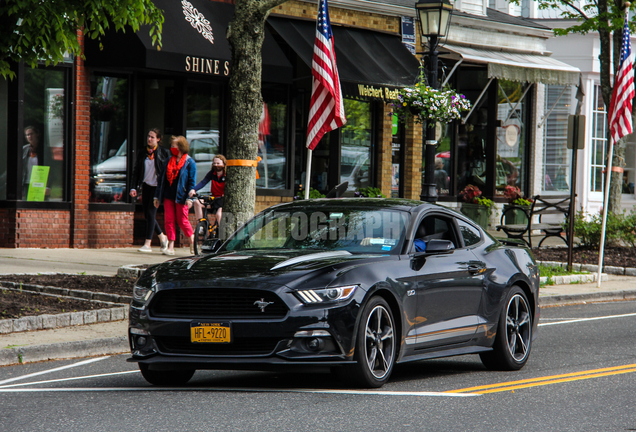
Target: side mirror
437, 245
211, 245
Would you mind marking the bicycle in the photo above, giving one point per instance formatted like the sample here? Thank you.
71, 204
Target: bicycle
204, 230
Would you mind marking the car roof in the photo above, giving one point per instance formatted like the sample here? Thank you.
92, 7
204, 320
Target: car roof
399, 204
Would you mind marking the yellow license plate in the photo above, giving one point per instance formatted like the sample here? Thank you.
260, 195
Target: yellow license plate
219, 332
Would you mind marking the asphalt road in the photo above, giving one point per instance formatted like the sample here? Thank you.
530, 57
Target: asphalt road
580, 377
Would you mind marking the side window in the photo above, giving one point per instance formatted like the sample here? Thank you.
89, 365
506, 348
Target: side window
470, 234
436, 227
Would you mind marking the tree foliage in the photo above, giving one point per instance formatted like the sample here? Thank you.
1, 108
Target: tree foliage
46, 30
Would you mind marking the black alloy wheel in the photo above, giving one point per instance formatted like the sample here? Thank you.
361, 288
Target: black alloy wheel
375, 345
201, 233
166, 377
514, 334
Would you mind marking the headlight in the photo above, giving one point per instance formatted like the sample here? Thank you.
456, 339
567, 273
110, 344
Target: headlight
141, 294
326, 294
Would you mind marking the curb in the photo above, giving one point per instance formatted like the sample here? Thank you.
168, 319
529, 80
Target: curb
64, 350
116, 312
131, 271
66, 292
570, 299
627, 271
572, 279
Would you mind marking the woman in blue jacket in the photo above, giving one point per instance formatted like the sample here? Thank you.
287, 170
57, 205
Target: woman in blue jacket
172, 190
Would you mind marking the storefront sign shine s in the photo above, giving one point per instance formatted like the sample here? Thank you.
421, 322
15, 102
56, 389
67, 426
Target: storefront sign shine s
207, 66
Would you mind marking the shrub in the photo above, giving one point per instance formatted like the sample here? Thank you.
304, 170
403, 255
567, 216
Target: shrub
370, 192
619, 227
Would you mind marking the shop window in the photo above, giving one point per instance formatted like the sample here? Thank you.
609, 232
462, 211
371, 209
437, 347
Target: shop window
556, 156
355, 145
443, 135
599, 138
43, 175
472, 136
108, 139
397, 158
272, 140
203, 118
512, 113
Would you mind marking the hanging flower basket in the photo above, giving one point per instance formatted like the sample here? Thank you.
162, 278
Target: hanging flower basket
429, 105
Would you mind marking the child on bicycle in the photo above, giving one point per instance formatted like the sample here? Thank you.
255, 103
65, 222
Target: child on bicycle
216, 175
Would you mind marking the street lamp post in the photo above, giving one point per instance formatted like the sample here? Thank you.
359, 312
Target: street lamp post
434, 18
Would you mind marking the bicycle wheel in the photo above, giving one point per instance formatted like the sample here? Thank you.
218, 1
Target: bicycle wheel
200, 235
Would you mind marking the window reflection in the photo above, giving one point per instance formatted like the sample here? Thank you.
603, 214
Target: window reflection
203, 119
43, 150
272, 144
512, 112
109, 140
355, 145
556, 156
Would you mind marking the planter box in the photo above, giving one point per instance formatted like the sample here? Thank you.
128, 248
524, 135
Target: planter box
478, 213
516, 215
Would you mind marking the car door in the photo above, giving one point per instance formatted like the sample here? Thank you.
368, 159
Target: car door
449, 287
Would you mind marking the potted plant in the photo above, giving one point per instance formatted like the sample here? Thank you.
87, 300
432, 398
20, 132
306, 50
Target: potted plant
475, 206
517, 210
102, 109
429, 105
370, 192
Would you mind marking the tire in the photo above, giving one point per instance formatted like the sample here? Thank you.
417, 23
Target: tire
200, 235
375, 349
514, 334
166, 377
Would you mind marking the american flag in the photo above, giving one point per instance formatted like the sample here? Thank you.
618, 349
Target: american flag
620, 110
326, 111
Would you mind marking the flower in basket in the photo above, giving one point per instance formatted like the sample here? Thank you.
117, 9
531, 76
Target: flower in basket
430, 105
515, 197
102, 109
472, 195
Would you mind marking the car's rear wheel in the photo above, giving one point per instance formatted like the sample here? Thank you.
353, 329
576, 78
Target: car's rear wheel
375, 345
514, 334
166, 377
200, 235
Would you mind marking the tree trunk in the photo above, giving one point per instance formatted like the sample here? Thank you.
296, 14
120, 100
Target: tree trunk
245, 34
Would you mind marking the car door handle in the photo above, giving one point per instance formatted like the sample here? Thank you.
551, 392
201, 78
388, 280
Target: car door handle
475, 270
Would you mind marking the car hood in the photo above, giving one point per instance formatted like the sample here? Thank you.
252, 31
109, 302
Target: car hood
244, 268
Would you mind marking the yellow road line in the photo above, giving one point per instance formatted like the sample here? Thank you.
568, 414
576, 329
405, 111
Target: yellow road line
552, 379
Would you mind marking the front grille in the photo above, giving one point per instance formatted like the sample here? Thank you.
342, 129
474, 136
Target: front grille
217, 303
239, 346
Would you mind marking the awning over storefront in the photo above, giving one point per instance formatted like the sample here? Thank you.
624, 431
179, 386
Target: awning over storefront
520, 67
370, 64
193, 41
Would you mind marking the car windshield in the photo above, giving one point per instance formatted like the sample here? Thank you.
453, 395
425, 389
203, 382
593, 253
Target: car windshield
353, 230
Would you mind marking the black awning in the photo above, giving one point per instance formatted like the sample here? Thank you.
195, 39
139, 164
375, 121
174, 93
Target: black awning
200, 49
368, 61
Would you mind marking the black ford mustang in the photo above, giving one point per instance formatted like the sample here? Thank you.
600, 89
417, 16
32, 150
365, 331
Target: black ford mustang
338, 283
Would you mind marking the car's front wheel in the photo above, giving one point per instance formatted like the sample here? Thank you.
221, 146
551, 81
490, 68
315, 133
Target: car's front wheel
166, 377
375, 345
514, 334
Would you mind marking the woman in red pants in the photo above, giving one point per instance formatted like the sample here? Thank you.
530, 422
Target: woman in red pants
179, 175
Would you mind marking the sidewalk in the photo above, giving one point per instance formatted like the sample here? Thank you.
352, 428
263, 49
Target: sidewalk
111, 337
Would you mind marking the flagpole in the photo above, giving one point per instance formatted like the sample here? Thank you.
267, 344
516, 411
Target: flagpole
608, 178
308, 173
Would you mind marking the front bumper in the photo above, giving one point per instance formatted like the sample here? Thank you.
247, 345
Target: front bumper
307, 335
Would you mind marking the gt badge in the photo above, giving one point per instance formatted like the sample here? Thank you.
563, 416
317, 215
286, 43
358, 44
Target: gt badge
262, 304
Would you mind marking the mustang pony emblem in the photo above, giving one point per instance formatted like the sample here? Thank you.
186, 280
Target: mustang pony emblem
262, 304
